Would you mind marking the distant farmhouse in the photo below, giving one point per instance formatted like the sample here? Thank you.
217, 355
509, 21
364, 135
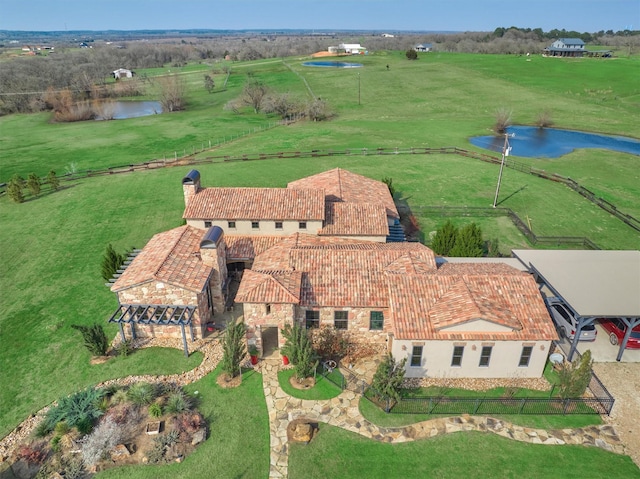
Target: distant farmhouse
122, 73
423, 47
349, 49
572, 47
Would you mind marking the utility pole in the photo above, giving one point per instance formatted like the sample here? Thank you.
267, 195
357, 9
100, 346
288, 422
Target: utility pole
506, 149
358, 88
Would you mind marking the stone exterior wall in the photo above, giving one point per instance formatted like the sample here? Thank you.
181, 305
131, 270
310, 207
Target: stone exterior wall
215, 258
258, 316
357, 323
157, 292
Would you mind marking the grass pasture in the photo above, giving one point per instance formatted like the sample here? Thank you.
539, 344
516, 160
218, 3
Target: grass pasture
449, 456
52, 246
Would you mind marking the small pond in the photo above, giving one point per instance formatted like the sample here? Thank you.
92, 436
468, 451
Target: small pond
131, 109
332, 64
534, 142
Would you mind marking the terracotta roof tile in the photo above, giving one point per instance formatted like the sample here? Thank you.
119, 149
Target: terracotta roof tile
340, 272
355, 219
425, 306
169, 257
274, 287
256, 204
241, 247
348, 187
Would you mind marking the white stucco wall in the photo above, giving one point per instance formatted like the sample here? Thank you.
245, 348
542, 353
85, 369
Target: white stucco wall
505, 356
266, 227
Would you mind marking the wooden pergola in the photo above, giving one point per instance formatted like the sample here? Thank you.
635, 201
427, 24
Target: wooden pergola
155, 314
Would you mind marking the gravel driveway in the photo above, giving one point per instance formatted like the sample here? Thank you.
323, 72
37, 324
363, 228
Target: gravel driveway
623, 381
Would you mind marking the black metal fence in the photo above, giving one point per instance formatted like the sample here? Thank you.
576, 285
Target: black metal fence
597, 401
490, 406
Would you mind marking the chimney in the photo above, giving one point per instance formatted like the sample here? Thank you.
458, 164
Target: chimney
190, 185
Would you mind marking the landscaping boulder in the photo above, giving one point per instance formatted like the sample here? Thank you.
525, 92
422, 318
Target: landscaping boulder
301, 430
199, 436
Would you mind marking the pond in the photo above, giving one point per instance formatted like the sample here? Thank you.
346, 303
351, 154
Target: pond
120, 110
534, 142
332, 64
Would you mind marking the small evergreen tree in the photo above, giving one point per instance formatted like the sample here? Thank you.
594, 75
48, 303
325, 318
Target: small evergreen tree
209, 84
111, 262
411, 54
445, 239
33, 183
307, 360
95, 339
14, 189
53, 180
291, 334
574, 377
388, 377
389, 182
469, 243
299, 349
233, 348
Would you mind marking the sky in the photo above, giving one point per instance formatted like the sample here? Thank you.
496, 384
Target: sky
378, 15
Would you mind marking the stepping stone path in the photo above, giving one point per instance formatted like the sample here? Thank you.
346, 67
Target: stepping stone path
341, 411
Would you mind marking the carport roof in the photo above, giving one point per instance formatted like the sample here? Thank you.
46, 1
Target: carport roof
593, 283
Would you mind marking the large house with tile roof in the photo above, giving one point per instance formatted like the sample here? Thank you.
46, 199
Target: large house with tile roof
454, 320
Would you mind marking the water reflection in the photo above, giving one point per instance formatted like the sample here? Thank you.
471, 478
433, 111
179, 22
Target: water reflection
533, 142
120, 110
332, 64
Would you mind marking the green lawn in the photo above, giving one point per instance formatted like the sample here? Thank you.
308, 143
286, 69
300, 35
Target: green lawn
323, 389
238, 441
473, 454
52, 246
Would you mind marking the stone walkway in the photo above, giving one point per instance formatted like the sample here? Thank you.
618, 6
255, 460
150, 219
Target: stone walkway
342, 411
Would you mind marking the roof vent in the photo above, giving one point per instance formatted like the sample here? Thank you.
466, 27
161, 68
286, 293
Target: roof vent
211, 238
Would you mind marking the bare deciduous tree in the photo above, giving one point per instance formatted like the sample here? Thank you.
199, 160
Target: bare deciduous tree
172, 92
254, 93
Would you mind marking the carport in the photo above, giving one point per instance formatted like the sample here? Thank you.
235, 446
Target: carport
593, 284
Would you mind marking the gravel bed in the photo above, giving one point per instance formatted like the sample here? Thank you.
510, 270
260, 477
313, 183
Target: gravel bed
623, 382
210, 348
